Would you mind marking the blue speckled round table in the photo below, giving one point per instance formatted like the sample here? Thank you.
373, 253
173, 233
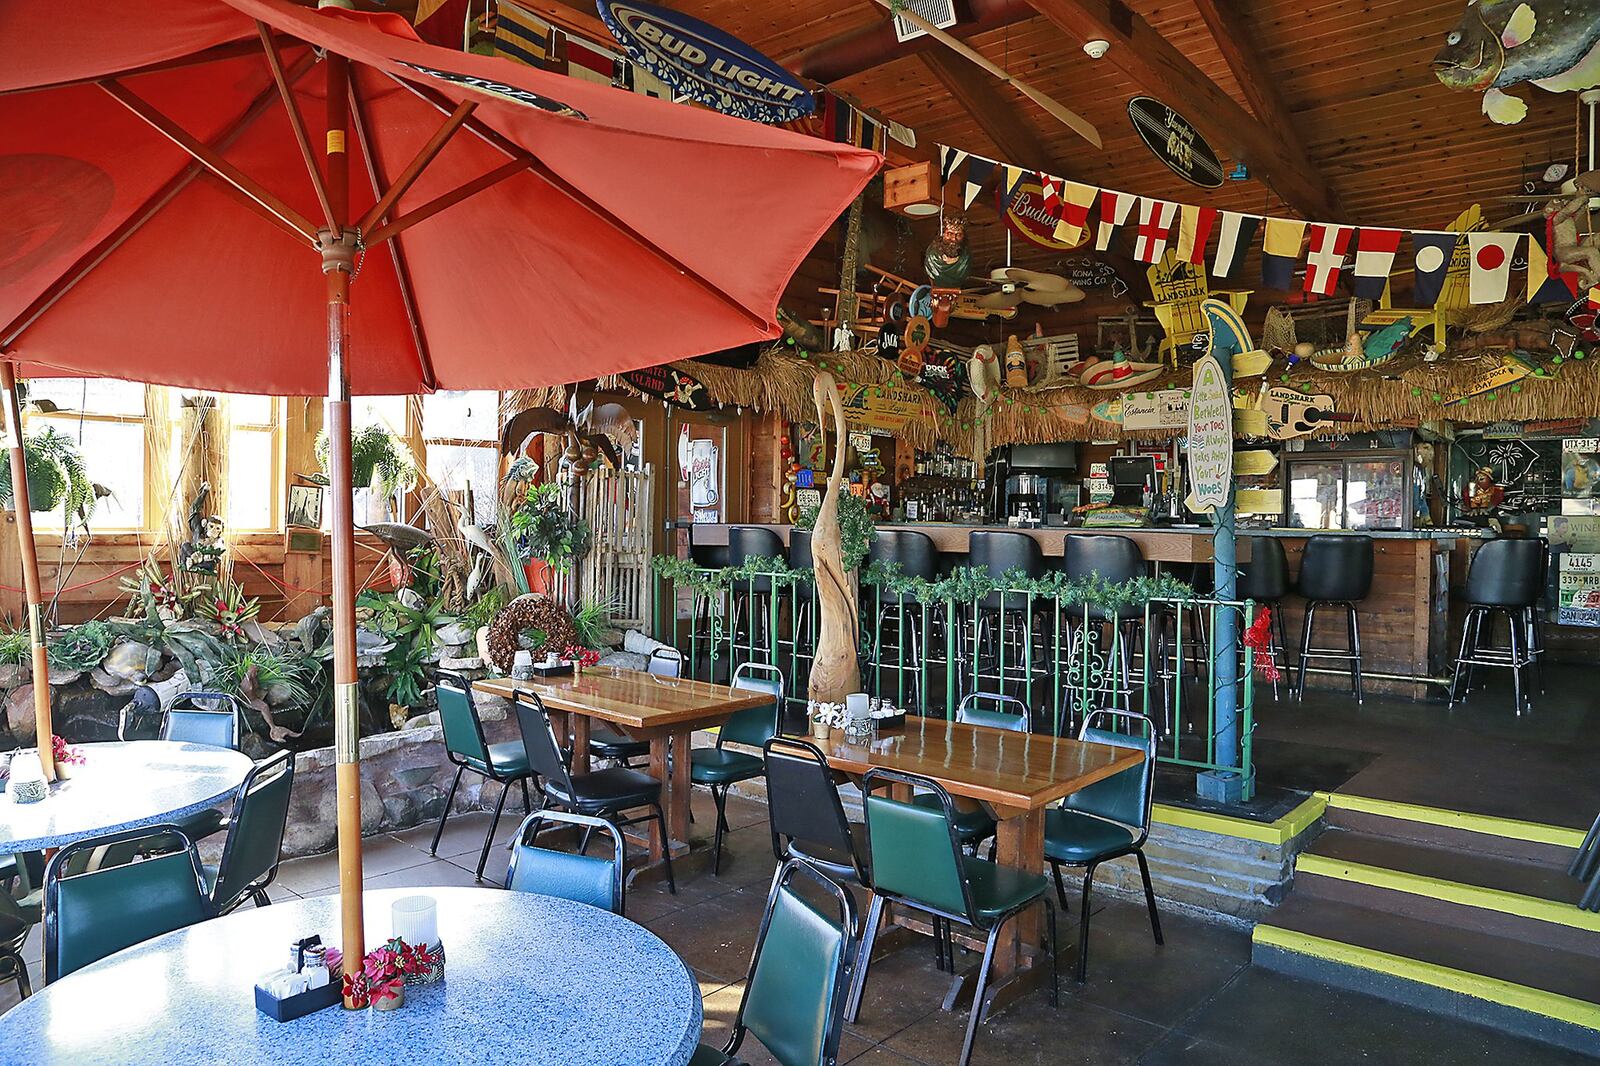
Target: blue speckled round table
531, 980
123, 785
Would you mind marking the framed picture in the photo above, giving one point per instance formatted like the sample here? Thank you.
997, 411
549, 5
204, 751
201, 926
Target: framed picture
305, 506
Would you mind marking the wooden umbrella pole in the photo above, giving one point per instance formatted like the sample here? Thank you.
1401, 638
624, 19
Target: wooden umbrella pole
30, 571
338, 260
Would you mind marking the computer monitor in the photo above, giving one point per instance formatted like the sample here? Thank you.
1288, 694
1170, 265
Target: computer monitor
1130, 476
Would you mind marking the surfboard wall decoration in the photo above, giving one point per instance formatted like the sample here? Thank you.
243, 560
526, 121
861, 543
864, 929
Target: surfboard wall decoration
1173, 140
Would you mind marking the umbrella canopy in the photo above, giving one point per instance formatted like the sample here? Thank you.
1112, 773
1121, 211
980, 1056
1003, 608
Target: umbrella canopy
169, 213
613, 230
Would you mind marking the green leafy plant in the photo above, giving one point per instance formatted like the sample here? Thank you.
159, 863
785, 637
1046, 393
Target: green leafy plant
857, 530
15, 647
252, 670
81, 647
56, 474
481, 611
377, 458
591, 622
227, 605
411, 630
543, 527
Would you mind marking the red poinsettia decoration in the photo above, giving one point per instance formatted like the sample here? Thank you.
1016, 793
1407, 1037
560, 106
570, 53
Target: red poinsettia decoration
63, 753
581, 655
384, 971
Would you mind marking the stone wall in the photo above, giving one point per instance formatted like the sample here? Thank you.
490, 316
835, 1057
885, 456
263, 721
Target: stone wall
404, 780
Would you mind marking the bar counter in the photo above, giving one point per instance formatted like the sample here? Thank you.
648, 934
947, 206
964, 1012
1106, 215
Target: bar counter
1404, 619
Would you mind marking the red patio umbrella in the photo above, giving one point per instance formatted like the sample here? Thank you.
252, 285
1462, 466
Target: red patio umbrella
255, 196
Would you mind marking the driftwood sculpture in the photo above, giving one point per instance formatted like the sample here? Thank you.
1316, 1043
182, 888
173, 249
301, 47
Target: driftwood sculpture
835, 672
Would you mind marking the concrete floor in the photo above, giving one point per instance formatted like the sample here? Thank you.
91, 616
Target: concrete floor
1195, 1001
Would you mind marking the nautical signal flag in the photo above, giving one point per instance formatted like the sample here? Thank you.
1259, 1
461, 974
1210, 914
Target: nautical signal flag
1114, 210
1194, 233
1375, 252
1431, 252
1076, 199
949, 159
1280, 251
1155, 228
1013, 179
1546, 284
1050, 194
1234, 234
1489, 275
1325, 260
979, 171
523, 36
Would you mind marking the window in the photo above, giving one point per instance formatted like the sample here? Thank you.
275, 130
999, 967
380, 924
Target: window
254, 472
461, 433
107, 420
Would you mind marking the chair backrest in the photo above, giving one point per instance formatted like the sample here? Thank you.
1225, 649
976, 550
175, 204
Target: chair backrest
539, 739
1507, 573
994, 710
755, 725
255, 831
91, 915
1107, 556
753, 542
914, 851
803, 805
1265, 578
916, 553
1336, 566
592, 879
710, 556
794, 996
1000, 550
191, 724
1127, 796
665, 662
458, 716
800, 549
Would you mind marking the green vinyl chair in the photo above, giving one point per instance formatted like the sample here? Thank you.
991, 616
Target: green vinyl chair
992, 710
720, 768
254, 847
91, 915
918, 863
583, 878
17, 918
466, 745
794, 994
1107, 820
611, 744
202, 718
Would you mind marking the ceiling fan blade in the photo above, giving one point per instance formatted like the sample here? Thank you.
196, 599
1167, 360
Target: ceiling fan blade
1000, 301
1050, 297
1038, 280
1071, 119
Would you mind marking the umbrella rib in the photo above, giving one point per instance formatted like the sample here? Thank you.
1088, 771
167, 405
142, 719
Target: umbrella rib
419, 162
402, 270
535, 166
211, 160
449, 199
147, 210
297, 122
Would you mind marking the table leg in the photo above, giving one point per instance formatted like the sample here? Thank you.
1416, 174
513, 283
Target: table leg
678, 789
580, 743
1018, 959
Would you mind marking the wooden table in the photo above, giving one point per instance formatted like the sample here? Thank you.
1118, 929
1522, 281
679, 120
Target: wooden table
662, 710
1016, 776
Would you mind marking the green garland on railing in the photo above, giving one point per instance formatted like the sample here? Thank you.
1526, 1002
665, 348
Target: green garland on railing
686, 573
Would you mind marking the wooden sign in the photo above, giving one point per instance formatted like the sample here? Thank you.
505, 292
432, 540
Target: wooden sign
1498, 378
882, 407
706, 65
670, 384
1254, 463
1258, 501
1164, 409
1210, 435
1174, 141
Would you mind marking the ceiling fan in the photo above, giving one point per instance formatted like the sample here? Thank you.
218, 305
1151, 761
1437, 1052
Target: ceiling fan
1011, 287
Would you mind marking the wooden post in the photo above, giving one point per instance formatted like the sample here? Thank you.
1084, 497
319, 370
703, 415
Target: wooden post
835, 672
30, 570
338, 257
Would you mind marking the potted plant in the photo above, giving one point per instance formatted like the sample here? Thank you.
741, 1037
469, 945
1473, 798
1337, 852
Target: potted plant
378, 460
549, 533
56, 474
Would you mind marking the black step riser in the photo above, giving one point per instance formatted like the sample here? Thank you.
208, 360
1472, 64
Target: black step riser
1551, 855
1448, 916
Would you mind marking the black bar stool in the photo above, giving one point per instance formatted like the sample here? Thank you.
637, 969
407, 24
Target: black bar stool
751, 597
708, 557
1001, 551
1504, 579
1335, 571
1114, 560
916, 556
1265, 579
798, 598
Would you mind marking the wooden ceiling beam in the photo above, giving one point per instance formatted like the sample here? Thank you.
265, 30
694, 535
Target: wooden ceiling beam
1001, 119
1151, 62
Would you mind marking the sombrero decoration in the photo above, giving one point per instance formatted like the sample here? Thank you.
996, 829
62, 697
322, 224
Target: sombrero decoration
1119, 373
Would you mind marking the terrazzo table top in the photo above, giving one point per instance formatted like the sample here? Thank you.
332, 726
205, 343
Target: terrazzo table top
123, 785
529, 979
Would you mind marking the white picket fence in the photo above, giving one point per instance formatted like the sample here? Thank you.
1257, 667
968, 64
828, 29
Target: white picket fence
617, 506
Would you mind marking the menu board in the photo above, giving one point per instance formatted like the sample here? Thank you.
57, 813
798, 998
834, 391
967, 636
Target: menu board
1210, 438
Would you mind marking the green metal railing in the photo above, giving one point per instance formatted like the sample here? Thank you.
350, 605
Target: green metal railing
1063, 659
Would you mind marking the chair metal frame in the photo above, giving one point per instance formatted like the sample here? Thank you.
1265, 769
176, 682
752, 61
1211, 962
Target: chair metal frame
53, 873
878, 777
235, 711
640, 748
719, 794
282, 762
457, 681
533, 825
798, 750
1134, 848
970, 704
612, 815
844, 976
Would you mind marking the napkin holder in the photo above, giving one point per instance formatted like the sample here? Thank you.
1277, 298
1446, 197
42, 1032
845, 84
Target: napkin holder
300, 1004
558, 670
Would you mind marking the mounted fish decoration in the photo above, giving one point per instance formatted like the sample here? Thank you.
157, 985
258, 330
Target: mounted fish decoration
1500, 43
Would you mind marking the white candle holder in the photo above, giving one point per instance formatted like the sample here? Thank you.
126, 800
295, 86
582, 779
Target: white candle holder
415, 919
